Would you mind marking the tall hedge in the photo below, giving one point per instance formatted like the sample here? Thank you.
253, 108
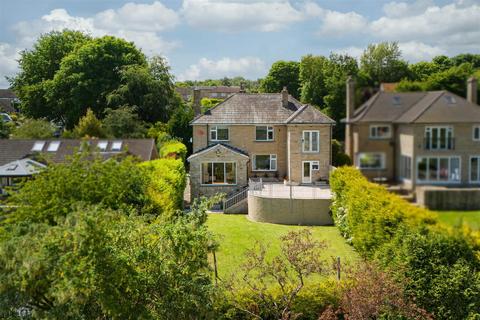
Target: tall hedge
166, 184
439, 265
367, 214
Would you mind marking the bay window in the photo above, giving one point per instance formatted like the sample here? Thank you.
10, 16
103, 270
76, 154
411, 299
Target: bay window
219, 133
311, 141
266, 162
264, 133
438, 169
219, 173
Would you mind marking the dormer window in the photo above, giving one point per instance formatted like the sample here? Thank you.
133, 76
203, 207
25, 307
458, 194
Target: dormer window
450, 99
102, 145
53, 146
116, 145
218, 133
38, 146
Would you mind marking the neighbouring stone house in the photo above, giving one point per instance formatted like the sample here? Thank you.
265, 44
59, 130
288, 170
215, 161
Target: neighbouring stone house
8, 99
217, 92
416, 138
19, 158
270, 136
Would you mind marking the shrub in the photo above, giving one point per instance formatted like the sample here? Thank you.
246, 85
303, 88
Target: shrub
34, 129
166, 184
173, 149
367, 214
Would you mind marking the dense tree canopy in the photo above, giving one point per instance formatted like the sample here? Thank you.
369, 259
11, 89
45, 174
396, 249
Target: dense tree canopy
282, 74
34, 129
123, 123
383, 63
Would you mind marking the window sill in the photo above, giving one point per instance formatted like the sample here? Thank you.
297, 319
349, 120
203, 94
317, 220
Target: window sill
310, 151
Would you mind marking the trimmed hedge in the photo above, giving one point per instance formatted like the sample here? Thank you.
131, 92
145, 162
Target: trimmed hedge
440, 265
173, 149
367, 214
166, 184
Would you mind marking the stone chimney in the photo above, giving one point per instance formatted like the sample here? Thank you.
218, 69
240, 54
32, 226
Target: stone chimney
350, 102
285, 97
472, 90
197, 106
242, 87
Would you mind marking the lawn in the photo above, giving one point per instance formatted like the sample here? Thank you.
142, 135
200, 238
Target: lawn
236, 234
456, 218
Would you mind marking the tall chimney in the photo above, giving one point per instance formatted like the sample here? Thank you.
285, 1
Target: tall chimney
242, 87
350, 102
285, 97
197, 106
472, 90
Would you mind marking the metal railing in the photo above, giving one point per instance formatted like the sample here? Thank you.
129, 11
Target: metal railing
255, 185
235, 198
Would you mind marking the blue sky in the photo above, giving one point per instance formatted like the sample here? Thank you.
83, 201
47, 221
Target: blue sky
215, 38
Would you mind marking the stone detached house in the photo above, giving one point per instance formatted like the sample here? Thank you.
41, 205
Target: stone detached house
416, 138
217, 92
270, 136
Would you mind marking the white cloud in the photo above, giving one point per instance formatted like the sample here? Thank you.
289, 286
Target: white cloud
237, 16
8, 63
249, 67
417, 51
402, 9
338, 23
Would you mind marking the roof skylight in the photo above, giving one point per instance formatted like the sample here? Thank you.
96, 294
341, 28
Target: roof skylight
53, 146
116, 145
397, 101
102, 145
38, 146
450, 99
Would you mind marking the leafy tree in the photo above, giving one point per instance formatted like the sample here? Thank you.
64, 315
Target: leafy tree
38, 67
422, 70
5, 129
443, 62
178, 126
383, 63
88, 74
149, 88
312, 78
97, 263
89, 126
473, 59
209, 103
282, 74
34, 129
123, 123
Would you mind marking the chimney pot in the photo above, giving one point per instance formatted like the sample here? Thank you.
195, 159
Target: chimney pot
285, 97
472, 90
197, 106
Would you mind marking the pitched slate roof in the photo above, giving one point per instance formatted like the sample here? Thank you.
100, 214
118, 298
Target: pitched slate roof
213, 146
12, 149
21, 168
417, 107
261, 108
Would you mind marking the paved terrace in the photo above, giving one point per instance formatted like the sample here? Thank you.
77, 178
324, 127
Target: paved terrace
279, 190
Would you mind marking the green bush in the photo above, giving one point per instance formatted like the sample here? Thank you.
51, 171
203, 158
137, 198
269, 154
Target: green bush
166, 184
367, 214
173, 148
439, 265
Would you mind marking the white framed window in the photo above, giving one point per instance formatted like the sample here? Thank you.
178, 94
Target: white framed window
438, 169
219, 173
219, 133
315, 165
439, 138
116, 145
265, 162
475, 169
38, 146
311, 141
406, 167
380, 131
53, 146
264, 133
476, 133
371, 160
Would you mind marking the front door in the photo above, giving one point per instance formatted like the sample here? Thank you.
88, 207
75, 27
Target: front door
307, 172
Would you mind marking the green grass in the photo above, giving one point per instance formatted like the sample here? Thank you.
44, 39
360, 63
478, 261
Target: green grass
236, 234
457, 218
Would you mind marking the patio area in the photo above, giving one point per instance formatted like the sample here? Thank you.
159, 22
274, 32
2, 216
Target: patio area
280, 190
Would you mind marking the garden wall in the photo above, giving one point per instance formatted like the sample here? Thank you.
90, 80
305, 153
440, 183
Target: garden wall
446, 198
